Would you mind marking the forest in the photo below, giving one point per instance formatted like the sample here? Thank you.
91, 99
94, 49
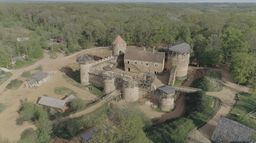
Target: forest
218, 33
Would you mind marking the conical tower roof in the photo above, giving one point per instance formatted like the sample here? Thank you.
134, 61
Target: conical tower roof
118, 40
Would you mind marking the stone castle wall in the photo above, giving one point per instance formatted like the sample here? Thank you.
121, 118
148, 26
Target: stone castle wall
181, 62
143, 66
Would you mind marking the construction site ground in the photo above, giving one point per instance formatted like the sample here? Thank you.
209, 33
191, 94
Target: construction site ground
11, 98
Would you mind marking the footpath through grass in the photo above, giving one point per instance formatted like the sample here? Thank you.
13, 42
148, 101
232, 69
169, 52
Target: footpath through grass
4, 76
244, 111
200, 108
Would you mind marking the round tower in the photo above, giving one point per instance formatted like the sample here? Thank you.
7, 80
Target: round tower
119, 46
130, 91
167, 104
178, 57
166, 96
84, 62
109, 83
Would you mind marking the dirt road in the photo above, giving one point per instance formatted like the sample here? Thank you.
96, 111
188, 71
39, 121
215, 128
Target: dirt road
227, 97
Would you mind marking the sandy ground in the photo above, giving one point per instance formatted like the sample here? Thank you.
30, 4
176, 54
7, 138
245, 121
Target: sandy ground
227, 97
11, 98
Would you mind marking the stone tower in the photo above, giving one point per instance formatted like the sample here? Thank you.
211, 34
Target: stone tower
167, 104
109, 82
84, 62
130, 90
178, 57
166, 96
118, 46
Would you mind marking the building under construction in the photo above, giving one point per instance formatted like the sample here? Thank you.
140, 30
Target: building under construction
137, 70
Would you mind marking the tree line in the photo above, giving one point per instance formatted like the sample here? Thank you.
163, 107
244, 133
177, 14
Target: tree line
217, 33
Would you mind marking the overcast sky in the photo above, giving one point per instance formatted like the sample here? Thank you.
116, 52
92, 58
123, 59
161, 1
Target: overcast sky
218, 1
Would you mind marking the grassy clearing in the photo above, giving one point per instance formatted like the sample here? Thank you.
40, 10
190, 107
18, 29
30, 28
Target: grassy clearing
245, 104
199, 110
14, 84
63, 91
20, 64
178, 82
207, 83
96, 90
4, 76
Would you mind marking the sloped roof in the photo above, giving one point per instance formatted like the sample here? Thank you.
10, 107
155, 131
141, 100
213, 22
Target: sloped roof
231, 131
142, 55
167, 89
118, 40
180, 48
52, 102
39, 76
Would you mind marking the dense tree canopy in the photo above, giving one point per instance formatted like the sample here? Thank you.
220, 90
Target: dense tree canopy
214, 31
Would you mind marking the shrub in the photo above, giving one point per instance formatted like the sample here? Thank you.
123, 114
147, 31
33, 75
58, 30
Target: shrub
14, 84
32, 112
207, 84
244, 110
63, 91
77, 104
28, 136
27, 112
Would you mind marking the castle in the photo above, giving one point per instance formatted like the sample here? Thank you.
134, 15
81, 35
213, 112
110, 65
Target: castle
137, 70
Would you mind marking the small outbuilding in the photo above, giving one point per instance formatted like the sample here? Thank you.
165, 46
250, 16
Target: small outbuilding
231, 131
60, 104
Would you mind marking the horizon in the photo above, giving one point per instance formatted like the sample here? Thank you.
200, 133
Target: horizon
134, 1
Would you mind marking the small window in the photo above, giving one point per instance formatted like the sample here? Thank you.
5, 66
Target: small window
128, 62
147, 64
135, 62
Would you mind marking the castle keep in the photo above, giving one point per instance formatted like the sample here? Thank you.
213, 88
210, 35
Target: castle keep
132, 70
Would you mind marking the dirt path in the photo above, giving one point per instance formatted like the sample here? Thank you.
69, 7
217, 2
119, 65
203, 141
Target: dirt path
227, 97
